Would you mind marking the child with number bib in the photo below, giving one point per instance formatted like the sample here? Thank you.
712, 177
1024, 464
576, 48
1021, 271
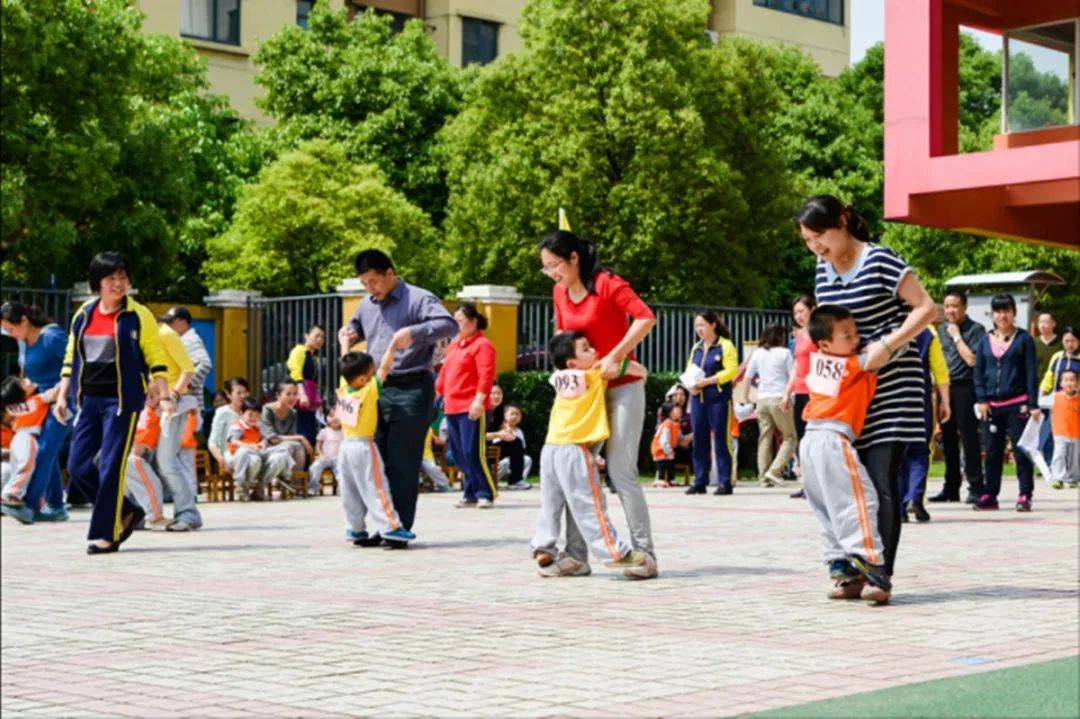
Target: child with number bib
568, 476
361, 472
836, 483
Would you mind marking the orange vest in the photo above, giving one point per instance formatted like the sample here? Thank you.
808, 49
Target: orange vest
187, 441
148, 430
671, 428
851, 402
1065, 417
249, 435
31, 413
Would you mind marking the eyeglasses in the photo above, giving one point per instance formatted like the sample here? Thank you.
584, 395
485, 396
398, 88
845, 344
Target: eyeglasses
549, 269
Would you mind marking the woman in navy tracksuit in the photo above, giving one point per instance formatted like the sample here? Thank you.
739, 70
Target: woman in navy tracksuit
113, 352
710, 401
1006, 389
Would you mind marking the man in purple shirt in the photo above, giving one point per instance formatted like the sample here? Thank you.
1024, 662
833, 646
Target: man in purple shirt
408, 321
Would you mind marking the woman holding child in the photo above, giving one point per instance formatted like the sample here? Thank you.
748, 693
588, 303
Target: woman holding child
889, 307
465, 383
597, 302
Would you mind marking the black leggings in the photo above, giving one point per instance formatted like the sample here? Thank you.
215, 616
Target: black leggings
882, 462
800, 402
665, 470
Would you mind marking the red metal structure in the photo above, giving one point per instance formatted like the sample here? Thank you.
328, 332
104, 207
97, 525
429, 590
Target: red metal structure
1027, 187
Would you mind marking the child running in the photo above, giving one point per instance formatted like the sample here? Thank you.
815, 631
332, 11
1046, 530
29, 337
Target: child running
26, 410
664, 443
253, 465
1065, 424
835, 481
568, 476
364, 490
327, 445
142, 485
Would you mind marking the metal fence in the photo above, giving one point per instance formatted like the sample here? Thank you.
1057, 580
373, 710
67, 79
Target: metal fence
664, 350
55, 303
276, 325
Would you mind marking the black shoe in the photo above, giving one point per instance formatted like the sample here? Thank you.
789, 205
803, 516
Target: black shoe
95, 549
372, 541
973, 496
138, 516
694, 489
903, 518
395, 544
798, 495
921, 515
944, 496
723, 490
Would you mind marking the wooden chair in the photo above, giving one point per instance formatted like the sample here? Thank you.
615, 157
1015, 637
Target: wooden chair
494, 454
686, 472
328, 479
214, 480
453, 475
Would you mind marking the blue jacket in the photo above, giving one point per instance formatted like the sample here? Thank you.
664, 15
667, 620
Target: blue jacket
139, 353
1011, 376
720, 359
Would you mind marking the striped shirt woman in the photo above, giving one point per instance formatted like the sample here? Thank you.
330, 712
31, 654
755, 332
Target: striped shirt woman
890, 308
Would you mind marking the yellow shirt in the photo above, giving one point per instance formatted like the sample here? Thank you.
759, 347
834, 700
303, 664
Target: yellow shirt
429, 452
176, 357
367, 417
580, 420
938, 369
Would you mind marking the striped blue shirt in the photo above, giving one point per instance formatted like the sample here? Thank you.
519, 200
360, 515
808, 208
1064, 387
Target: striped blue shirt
869, 290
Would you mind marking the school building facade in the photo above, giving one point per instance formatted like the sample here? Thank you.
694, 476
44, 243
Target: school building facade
228, 32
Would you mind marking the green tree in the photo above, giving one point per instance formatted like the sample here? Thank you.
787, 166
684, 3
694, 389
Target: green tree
299, 225
654, 140
108, 142
382, 95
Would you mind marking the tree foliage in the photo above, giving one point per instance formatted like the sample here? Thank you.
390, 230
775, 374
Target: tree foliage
654, 140
299, 225
108, 142
382, 95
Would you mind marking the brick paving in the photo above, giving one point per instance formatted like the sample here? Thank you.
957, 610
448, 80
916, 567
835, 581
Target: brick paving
268, 611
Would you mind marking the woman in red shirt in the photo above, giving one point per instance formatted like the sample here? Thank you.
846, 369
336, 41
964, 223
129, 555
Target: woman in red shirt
596, 301
468, 372
798, 394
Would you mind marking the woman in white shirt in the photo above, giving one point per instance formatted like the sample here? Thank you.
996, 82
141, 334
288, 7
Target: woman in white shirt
772, 364
237, 390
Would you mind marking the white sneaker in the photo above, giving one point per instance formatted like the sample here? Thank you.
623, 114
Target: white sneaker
178, 526
565, 567
484, 504
158, 524
523, 484
648, 570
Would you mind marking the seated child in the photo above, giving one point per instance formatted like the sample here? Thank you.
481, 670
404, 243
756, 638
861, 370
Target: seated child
1065, 425
142, 485
364, 490
514, 464
836, 483
254, 467
25, 410
568, 472
429, 467
327, 444
664, 443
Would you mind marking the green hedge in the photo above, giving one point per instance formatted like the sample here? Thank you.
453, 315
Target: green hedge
532, 392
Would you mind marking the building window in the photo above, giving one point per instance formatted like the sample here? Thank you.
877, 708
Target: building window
217, 20
479, 41
303, 12
827, 10
397, 19
1039, 75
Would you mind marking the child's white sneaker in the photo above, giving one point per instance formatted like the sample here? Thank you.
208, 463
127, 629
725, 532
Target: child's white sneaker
483, 503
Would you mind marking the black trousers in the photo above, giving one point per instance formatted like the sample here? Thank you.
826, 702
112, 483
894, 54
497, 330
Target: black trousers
405, 411
515, 452
882, 462
665, 470
962, 432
